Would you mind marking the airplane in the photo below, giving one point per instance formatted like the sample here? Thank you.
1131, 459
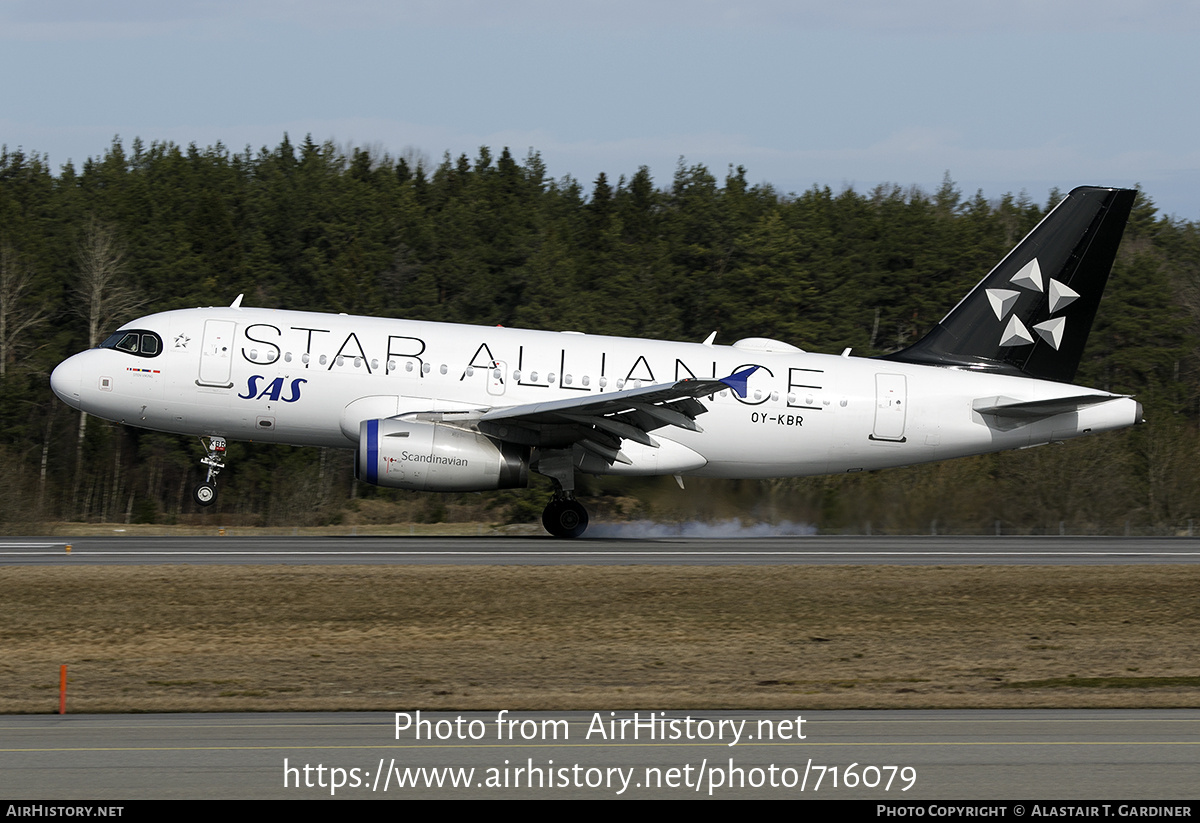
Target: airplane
454, 408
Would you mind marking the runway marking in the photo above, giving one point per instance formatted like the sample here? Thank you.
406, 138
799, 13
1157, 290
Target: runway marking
629, 553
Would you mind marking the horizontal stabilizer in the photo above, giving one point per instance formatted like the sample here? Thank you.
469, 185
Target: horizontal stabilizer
1038, 409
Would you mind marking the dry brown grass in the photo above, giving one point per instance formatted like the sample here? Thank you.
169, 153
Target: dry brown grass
168, 638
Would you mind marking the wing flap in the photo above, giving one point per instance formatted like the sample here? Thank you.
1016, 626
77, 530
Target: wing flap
614, 426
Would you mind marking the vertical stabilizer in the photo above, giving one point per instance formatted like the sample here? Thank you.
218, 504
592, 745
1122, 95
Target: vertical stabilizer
1032, 314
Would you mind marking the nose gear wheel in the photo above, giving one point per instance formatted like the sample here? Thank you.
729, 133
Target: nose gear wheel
205, 493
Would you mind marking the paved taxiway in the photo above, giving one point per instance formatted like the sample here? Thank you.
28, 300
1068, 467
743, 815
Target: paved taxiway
811, 550
1063, 755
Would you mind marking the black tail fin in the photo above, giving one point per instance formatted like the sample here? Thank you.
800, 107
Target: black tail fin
1032, 314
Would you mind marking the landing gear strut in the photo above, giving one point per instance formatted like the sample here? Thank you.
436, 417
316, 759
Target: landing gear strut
205, 494
565, 516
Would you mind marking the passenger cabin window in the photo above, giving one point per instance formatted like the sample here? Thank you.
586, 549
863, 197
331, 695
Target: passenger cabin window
134, 341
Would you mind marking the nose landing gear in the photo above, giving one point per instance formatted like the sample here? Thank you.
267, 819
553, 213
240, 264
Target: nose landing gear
205, 493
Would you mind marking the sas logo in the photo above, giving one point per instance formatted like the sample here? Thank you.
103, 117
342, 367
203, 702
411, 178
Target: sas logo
272, 390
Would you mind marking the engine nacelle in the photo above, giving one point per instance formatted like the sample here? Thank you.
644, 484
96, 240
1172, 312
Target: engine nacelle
405, 454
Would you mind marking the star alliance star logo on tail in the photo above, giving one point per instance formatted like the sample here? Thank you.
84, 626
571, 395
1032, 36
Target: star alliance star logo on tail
1003, 301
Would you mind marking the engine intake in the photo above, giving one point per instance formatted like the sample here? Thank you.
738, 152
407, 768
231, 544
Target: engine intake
405, 454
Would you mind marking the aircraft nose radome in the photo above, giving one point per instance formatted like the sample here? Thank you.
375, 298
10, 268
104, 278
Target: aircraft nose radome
66, 379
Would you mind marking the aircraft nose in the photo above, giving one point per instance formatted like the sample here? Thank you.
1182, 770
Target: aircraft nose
65, 381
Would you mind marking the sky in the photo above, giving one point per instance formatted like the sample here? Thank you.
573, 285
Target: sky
1003, 95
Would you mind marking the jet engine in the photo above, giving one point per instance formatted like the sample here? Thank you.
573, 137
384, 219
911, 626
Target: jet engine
408, 454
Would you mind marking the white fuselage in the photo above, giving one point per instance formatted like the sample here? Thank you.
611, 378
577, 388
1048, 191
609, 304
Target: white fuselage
309, 379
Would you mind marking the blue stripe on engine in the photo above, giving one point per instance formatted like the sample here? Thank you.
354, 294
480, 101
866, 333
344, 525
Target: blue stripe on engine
373, 451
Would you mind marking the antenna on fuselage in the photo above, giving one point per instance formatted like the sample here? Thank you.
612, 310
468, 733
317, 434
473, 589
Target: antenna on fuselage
237, 302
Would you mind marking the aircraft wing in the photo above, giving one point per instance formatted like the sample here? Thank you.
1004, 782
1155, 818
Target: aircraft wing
599, 422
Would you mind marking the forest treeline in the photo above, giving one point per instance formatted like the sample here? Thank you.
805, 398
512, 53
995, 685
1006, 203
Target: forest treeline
497, 240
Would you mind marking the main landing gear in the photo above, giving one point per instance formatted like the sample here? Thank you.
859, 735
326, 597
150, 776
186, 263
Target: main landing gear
205, 493
564, 516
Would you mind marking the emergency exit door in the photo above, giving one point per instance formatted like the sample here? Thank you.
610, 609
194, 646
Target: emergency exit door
891, 407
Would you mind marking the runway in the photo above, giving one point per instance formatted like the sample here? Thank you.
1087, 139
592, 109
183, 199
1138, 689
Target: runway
897, 756
467, 551
939, 755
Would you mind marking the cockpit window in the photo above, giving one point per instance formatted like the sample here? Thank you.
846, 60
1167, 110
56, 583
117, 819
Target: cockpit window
129, 343
134, 341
